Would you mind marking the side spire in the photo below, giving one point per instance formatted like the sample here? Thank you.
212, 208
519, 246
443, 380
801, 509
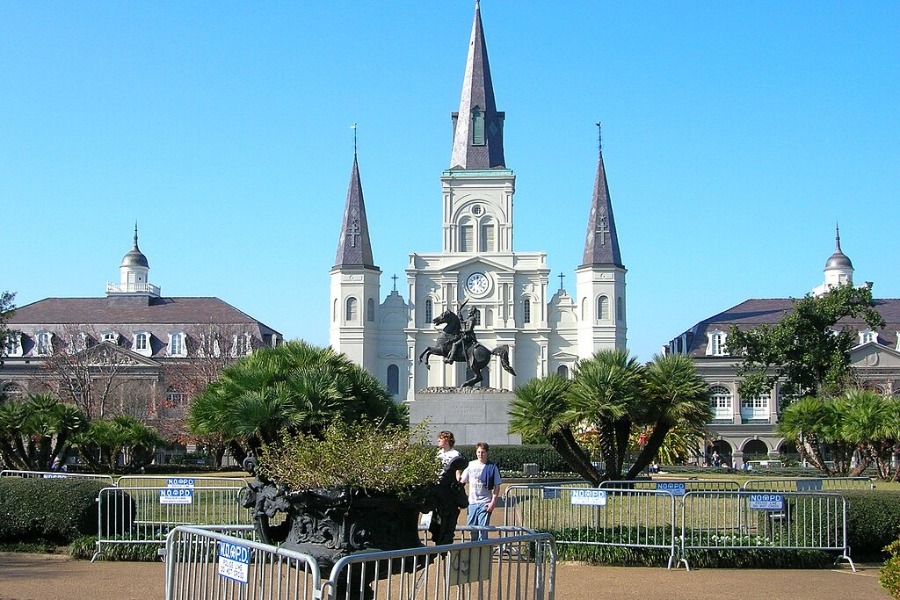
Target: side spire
601, 247
354, 246
477, 127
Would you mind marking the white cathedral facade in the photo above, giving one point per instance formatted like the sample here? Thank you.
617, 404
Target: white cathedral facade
546, 331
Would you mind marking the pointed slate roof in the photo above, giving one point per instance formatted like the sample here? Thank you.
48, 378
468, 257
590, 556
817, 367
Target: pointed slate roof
355, 246
601, 247
477, 97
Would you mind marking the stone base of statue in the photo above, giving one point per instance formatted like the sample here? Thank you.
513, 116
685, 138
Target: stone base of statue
473, 414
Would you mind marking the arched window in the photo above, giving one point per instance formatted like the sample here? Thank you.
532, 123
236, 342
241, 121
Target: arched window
487, 237
370, 310
602, 308
584, 309
562, 371
466, 241
351, 315
393, 379
720, 399
620, 309
429, 310
334, 310
526, 310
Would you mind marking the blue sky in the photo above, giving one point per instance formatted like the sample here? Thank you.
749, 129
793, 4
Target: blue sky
735, 136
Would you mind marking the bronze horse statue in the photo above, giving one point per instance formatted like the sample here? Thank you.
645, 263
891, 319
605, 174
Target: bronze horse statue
475, 354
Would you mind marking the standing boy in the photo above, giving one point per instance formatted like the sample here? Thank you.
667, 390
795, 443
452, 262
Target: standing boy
484, 482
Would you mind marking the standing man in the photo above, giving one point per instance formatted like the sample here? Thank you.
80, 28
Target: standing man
484, 482
443, 520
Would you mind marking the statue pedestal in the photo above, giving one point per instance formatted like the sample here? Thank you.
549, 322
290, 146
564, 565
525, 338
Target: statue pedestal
472, 414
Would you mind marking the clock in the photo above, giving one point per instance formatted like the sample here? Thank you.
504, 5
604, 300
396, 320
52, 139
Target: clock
477, 284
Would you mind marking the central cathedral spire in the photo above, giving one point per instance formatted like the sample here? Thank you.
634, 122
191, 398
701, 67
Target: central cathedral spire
477, 127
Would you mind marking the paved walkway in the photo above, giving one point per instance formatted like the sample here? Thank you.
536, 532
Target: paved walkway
53, 577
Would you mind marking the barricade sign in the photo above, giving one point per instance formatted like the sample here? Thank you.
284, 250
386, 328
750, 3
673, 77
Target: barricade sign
809, 485
550, 493
176, 496
591, 497
180, 482
676, 488
234, 561
766, 502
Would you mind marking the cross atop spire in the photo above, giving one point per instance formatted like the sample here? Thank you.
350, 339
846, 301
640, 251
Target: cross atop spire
478, 126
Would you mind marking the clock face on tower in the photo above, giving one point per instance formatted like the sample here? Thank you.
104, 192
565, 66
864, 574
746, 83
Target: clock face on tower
477, 284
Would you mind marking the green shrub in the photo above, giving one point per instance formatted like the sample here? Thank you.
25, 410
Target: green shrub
83, 548
51, 510
890, 570
873, 522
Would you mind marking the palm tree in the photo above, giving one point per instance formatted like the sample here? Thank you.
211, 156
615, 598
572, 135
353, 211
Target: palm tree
540, 410
673, 395
602, 396
37, 430
865, 424
295, 387
808, 423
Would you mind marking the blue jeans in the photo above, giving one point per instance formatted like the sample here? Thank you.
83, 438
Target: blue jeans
480, 517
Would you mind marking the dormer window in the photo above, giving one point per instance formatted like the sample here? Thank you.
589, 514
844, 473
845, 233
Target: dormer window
43, 345
866, 336
209, 346
80, 341
715, 343
141, 343
110, 336
241, 344
177, 347
13, 344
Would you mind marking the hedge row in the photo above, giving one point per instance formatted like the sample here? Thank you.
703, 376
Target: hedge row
511, 458
51, 510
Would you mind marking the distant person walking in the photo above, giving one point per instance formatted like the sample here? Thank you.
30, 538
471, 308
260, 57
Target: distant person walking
483, 478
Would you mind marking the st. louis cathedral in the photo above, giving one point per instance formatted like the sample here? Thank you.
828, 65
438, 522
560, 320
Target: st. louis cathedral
546, 332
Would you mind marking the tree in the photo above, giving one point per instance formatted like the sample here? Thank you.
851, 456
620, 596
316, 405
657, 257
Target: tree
604, 397
673, 395
295, 387
124, 437
36, 431
7, 310
808, 349
540, 410
101, 379
610, 400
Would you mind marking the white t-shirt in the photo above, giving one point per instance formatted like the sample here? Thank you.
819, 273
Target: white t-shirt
478, 492
447, 457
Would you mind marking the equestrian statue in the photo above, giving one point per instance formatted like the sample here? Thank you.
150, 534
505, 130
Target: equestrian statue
458, 343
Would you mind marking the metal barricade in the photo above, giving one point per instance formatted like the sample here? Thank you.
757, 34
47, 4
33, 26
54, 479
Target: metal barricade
136, 481
145, 515
810, 484
678, 487
511, 564
600, 516
746, 520
54, 475
203, 564
524, 504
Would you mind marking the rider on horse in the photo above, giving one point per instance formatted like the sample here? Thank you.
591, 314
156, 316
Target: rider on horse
466, 337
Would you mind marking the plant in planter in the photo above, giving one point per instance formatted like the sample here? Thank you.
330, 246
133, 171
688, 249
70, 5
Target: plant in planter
354, 488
